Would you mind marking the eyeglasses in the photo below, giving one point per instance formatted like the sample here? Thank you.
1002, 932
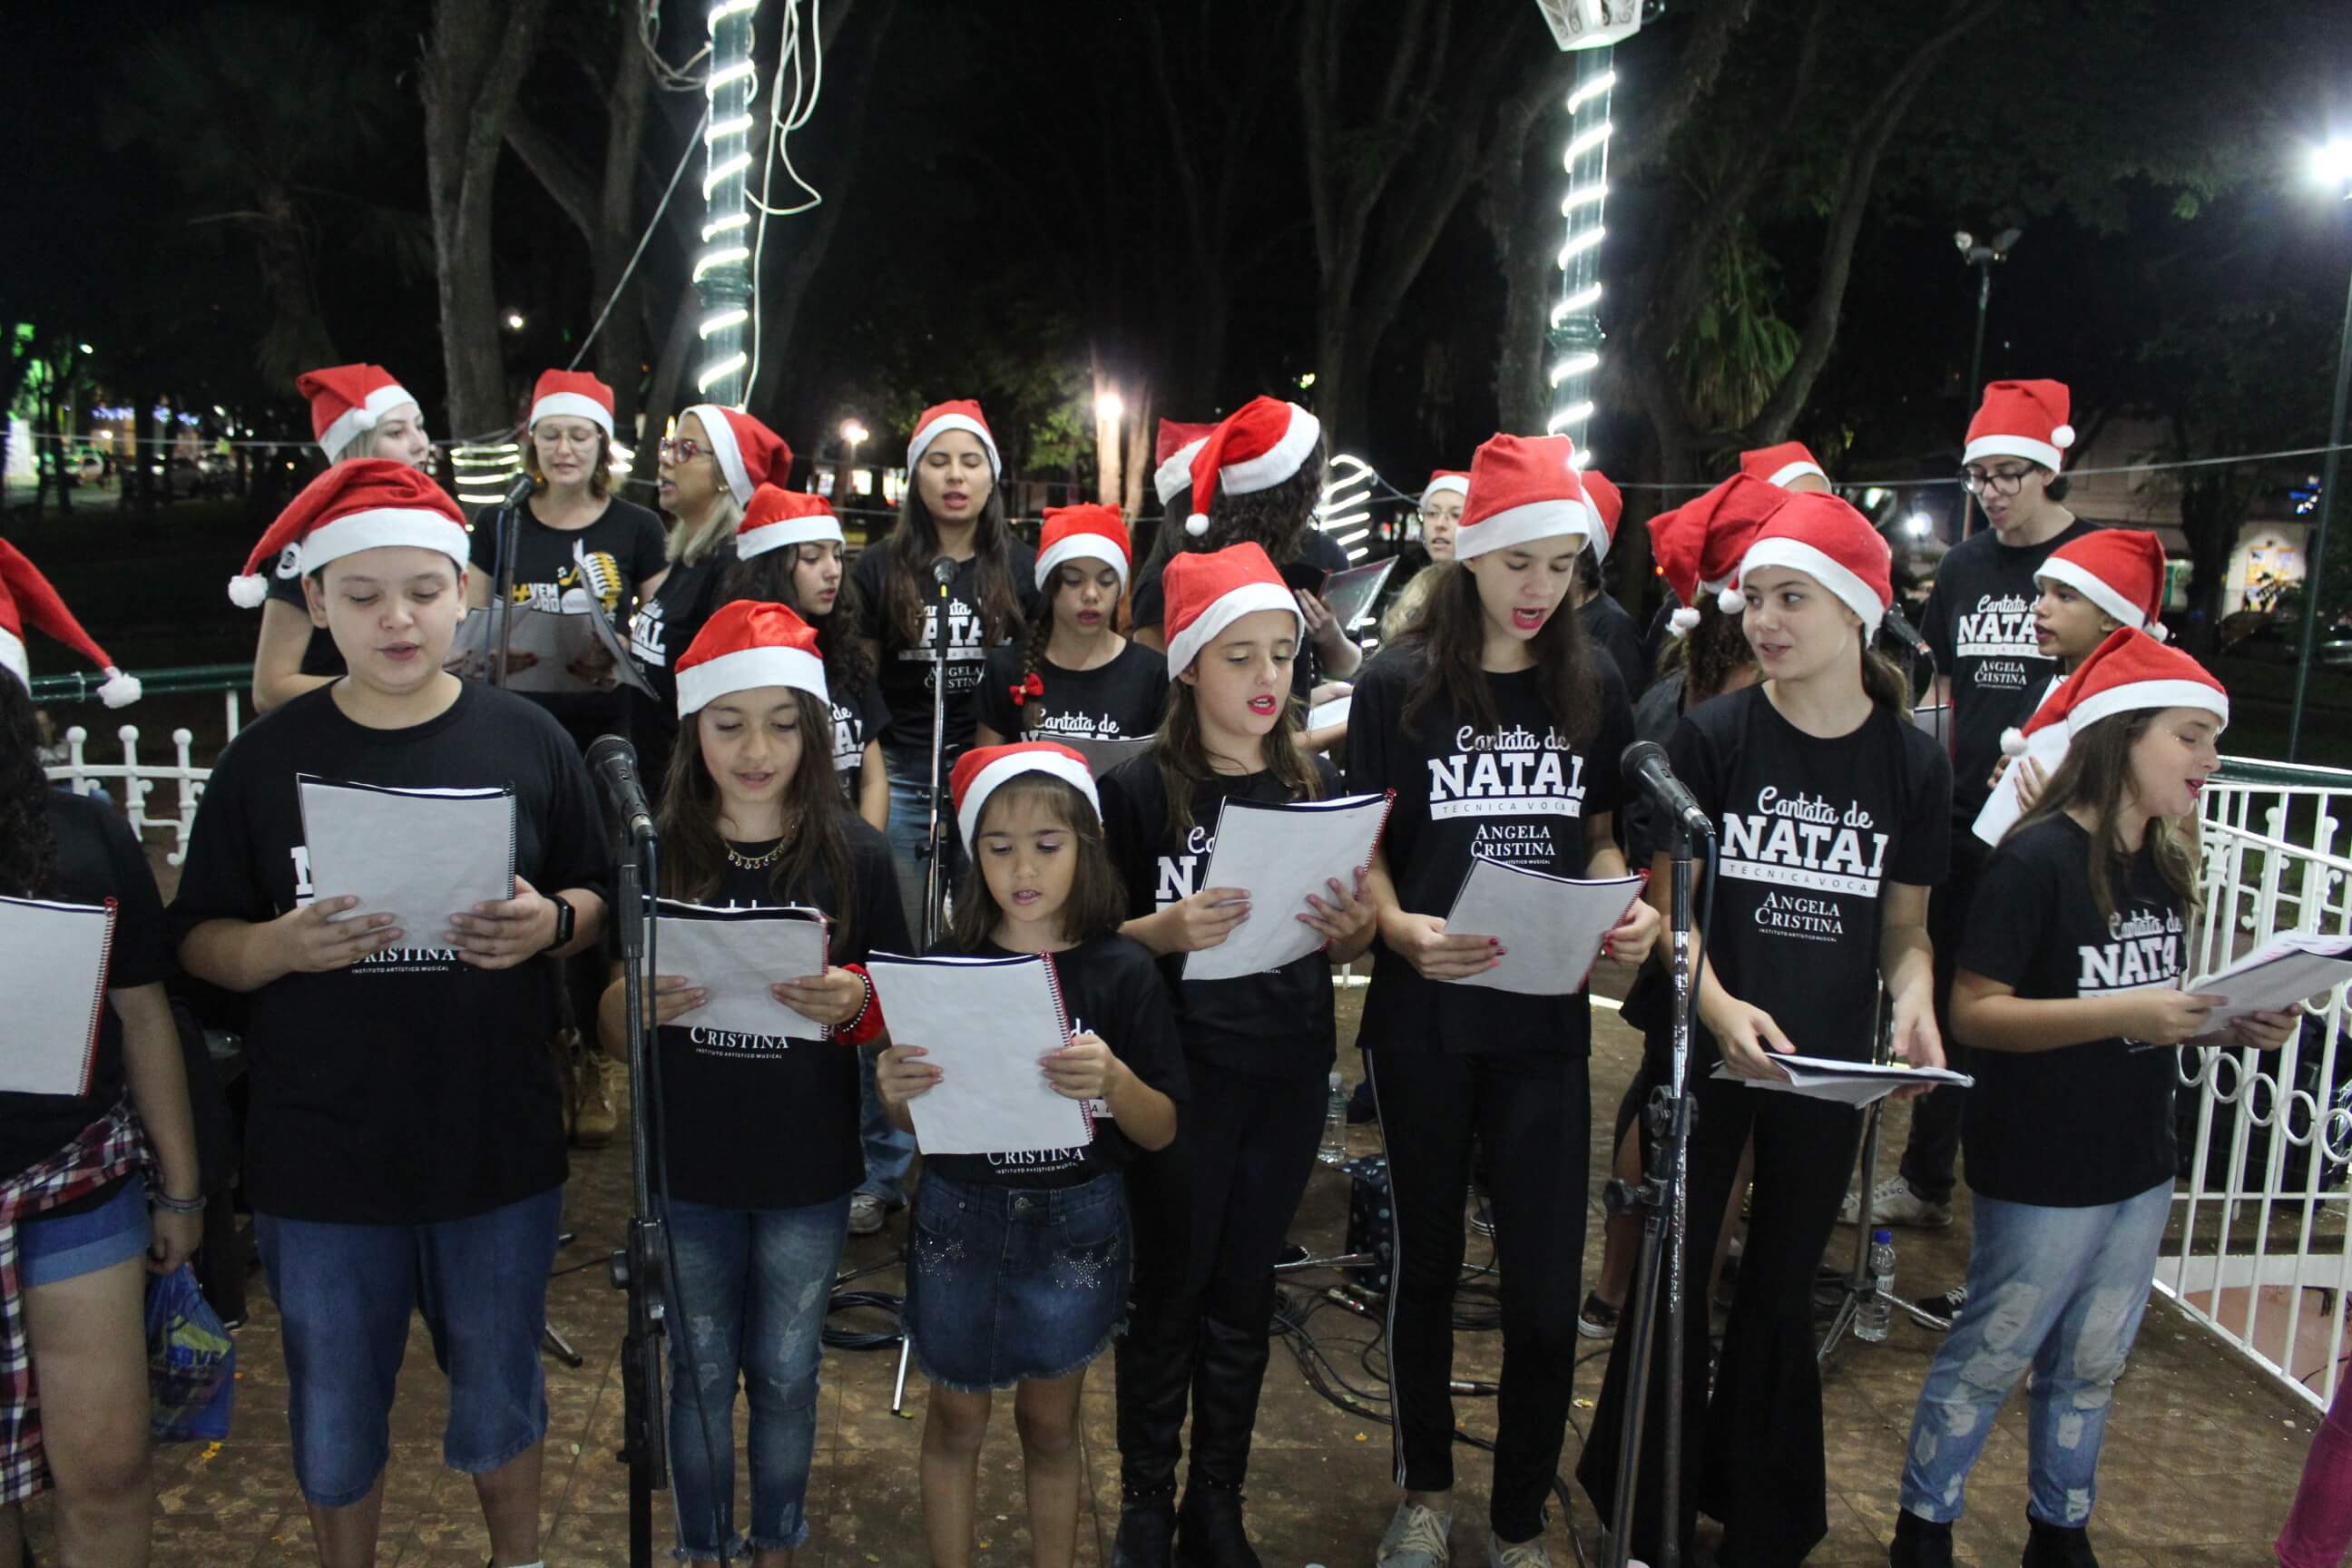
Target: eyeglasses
1996, 482
682, 448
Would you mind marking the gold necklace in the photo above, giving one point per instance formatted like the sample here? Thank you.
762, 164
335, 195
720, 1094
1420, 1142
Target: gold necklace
753, 862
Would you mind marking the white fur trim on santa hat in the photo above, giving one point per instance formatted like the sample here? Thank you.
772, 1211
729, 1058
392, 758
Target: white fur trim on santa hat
1998, 444
2138, 694
1175, 475
1071, 771
1523, 525
12, 657
746, 669
2094, 587
420, 527
940, 427
1277, 462
819, 528
572, 405
1791, 472
1457, 484
1799, 556
352, 423
725, 449
1224, 611
1082, 547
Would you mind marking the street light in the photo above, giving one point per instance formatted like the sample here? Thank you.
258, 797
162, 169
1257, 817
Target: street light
514, 320
2331, 166
1983, 257
1109, 406
1921, 525
852, 434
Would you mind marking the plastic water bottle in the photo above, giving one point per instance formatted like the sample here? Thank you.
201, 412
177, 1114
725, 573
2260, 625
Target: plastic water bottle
1334, 1151
1877, 1310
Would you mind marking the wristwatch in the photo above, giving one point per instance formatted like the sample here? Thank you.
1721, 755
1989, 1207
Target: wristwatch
564, 917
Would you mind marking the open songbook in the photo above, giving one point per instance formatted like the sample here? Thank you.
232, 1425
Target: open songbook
987, 1024
53, 961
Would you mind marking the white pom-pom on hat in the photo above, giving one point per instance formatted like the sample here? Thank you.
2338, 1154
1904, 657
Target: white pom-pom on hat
1197, 524
2063, 437
118, 691
1682, 621
1731, 601
2013, 742
247, 592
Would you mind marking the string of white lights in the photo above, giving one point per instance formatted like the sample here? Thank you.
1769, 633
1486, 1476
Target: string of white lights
720, 273
1576, 333
1346, 511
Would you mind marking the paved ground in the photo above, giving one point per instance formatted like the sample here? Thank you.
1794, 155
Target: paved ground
2201, 1457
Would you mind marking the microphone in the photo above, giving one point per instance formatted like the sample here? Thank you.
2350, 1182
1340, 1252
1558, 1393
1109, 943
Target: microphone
614, 763
1899, 624
943, 570
524, 486
1644, 768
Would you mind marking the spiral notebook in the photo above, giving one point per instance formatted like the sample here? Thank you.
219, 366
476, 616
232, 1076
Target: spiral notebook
53, 964
987, 1024
735, 956
1550, 927
419, 855
1280, 852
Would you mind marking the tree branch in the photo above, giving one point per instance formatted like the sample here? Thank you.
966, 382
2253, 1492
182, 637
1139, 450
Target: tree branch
563, 176
1697, 65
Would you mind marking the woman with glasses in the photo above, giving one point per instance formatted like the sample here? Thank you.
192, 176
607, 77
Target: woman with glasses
1440, 515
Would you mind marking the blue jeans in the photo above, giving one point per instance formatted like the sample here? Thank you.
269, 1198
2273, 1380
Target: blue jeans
753, 1287
910, 813
888, 1152
2059, 1291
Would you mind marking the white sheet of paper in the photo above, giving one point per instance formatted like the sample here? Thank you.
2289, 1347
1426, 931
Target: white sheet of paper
2279, 975
419, 855
1279, 854
1550, 927
1104, 755
987, 1024
1847, 1083
735, 956
607, 636
2001, 809
1325, 714
554, 642
1350, 594
53, 961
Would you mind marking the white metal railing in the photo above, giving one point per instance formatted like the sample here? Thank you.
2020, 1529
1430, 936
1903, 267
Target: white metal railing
132, 781
2257, 1250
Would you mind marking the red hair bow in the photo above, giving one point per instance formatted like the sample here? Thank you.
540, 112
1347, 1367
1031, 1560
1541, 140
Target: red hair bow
1024, 689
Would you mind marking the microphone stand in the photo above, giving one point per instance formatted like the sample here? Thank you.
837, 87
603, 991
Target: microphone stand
637, 1269
1661, 1198
509, 543
935, 868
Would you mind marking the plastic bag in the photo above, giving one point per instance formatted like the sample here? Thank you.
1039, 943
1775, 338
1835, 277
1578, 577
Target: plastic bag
191, 1362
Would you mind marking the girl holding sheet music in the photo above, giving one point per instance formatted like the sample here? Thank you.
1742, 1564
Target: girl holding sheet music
2068, 995
1499, 727
1018, 1269
1210, 1213
1834, 816
750, 815
1073, 678
405, 1145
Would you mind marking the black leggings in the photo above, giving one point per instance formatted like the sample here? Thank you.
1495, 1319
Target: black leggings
1533, 1114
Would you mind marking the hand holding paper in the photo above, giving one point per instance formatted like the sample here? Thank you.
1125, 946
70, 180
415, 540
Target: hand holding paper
1555, 924
1278, 856
975, 1033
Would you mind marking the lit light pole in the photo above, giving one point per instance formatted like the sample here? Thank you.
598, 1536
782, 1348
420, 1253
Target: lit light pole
721, 275
1592, 29
2331, 166
1109, 409
845, 484
1983, 257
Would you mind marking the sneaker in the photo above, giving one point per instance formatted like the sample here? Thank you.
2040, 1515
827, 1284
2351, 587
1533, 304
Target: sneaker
1482, 1219
2055, 1546
1416, 1538
866, 1213
1947, 1305
1146, 1531
594, 1119
1892, 1201
1597, 1319
1526, 1554
1360, 1109
1919, 1542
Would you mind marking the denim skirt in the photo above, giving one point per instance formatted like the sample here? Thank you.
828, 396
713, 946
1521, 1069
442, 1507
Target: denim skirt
1007, 1283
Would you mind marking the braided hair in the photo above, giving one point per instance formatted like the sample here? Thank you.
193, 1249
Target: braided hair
1032, 656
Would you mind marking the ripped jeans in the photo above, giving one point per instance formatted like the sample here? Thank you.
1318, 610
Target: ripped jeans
752, 1286
2057, 1292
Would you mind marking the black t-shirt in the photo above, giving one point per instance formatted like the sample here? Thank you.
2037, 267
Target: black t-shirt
2085, 1124
320, 656
1318, 549
1978, 624
1613, 632
1655, 717
1110, 987
1524, 794
623, 547
1812, 832
411, 1087
858, 717
1115, 701
663, 628
1276, 1024
905, 673
726, 1096
98, 859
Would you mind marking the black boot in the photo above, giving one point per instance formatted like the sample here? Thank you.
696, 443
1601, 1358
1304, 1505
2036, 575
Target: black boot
1209, 1532
2056, 1546
1228, 1369
1919, 1543
1146, 1531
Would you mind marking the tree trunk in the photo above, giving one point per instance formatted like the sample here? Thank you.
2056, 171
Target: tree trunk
1522, 228
621, 348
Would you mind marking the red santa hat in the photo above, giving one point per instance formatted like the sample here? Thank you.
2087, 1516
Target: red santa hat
347, 401
749, 454
1445, 481
1607, 506
2122, 675
2021, 419
1698, 545
1522, 489
365, 504
1253, 449
2121, 570
778, 517
956, 413
1085, 532
1783, 465
1173, 452
27, 598
1208, 591
1833, 544
575, 394
982, 770
744, 646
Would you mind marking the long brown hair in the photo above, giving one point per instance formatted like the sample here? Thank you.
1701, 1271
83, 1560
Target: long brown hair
906, 568
1183, 756
28, 849
1883, 683
1708, 654
694, 855
1275, 518
1097, 901
2094, 775
1451, 634
767, 578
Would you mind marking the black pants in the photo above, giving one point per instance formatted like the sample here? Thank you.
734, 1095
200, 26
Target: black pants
1210, 1213
1533, 1114
1752, 1453
1931, 1157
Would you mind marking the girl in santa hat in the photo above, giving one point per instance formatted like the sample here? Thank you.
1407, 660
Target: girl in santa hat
749, 815
356, 411
1018, 1273
1073, 676
1210, 1213
789, 552
1498, 727
2091, 588
411, 1155
1833, 816
2070, 994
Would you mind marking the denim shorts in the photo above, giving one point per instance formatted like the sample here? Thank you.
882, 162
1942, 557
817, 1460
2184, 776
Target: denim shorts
1008, 1283
344, 1295
50, 1251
